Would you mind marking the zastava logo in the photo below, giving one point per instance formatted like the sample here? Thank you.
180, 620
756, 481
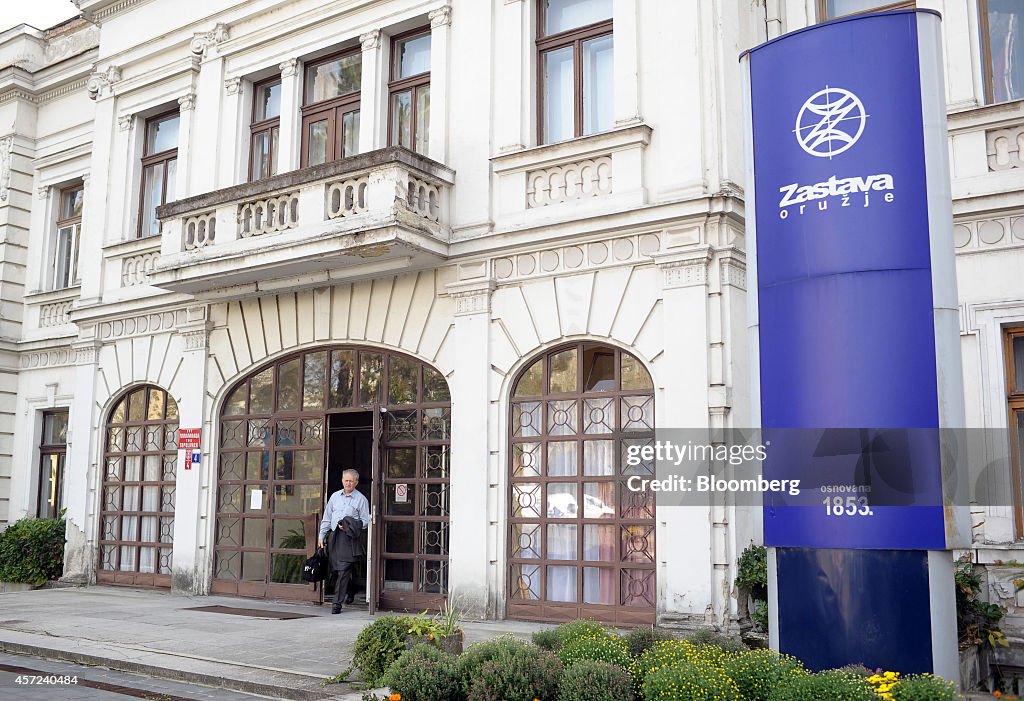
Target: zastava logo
830, 122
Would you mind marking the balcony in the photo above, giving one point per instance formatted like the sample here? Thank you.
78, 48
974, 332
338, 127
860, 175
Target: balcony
376, 213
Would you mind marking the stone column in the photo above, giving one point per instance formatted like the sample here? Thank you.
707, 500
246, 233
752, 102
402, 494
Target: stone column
186, 129
687, 563
233, 161
83, 478
470, 494
373, 94
625, 61
191, 554
440, 55
288, 155
512, 115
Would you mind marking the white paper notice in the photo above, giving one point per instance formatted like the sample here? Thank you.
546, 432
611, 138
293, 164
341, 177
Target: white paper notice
256, 500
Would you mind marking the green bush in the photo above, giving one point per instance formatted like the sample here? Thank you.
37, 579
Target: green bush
705, 638
752, 570
378, 645
423, 674
639, 640
757, 672
32, 550
924, 688
977, 621
833, 684
518, 675
470, 662
675, 653
555, 638
692, 682
593, 680
600, 648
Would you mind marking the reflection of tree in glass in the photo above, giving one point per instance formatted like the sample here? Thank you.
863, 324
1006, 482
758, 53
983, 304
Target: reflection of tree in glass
288, 568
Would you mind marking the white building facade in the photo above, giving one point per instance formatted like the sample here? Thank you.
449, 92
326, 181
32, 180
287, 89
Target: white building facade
475, 250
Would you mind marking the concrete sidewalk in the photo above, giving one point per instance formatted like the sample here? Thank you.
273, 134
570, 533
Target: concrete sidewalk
153, 632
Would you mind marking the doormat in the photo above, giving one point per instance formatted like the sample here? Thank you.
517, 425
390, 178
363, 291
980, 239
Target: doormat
255, 613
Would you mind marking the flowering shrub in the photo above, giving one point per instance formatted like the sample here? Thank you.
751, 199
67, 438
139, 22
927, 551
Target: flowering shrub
518, 675
423, 674
555, 638
884, 683
671, 653
604, 648
592, 680
833, 684
924, 687
640, 639
757, 672
693, 682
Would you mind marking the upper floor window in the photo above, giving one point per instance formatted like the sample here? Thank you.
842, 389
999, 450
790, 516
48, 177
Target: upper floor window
265, 129
575, 46
1002, 44
831, 9
53, 450
330, 112
410, 91
159, 164
69, 229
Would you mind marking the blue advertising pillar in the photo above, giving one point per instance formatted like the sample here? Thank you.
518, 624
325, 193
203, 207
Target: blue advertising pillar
856, 340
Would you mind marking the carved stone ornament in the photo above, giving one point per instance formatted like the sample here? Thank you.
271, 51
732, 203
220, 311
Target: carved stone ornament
370, 41
124, 122
232, 86
187, 101
195, 340
441, 17
202, 41
101, 81
289, 68
6, 147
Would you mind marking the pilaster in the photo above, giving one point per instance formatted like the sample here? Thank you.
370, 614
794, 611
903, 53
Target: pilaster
372, 123
288, 156
440, 65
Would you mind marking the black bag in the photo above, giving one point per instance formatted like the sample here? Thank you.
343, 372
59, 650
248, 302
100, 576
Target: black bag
315, 569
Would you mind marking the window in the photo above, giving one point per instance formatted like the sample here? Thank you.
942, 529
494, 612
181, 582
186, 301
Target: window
1002, 44
159, 162
265, 129
53, 449
575, 47
330, 112
831, 9
410, 92
1014, 350
69, 228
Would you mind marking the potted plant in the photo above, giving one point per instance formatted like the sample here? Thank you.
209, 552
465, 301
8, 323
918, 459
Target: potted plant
442, 630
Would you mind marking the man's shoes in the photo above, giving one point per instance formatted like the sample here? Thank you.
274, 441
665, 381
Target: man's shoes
349, 599
336, 608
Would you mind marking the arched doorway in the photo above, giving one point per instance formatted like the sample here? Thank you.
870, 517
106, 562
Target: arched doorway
580, 544
289, 429
139, 477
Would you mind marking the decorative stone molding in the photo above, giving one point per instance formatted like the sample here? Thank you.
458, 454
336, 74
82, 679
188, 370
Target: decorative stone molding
570, 181
370, 41
440, 17
1005, 148
54, 357
472, 298
196, 339
577, 257
733, 273
687, 269
42, 193
200, 230
6, 153
124, 122
202, 41
187, 101
267, 215
62, 47
55, 314
101, 82
289, 68
86, 353
232, 86
135, 270
142, 324
62, 90
989, 234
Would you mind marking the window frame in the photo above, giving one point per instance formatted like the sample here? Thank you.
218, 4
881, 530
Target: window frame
413, 83
1014, 406
823, 15
333, 109
987, 69
257, 129
149, 159
75, 223
575, 38
60, 450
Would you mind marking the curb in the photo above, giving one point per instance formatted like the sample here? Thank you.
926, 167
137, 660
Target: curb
293, 691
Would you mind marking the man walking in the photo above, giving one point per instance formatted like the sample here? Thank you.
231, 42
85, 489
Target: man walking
346, 515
